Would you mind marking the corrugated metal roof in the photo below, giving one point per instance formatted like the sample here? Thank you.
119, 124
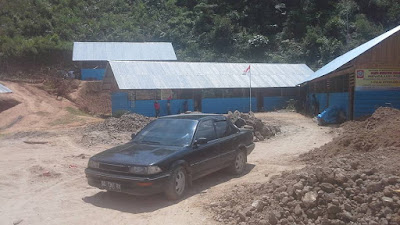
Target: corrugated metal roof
196, 75
107, 51
4, 89
347, 57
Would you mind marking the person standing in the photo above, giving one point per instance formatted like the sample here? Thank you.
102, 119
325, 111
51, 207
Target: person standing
169, 105
157, 108
315, 105
185, 106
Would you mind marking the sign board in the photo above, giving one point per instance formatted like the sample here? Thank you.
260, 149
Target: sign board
377, 77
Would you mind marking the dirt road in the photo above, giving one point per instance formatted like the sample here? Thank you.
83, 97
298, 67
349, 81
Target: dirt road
45, 183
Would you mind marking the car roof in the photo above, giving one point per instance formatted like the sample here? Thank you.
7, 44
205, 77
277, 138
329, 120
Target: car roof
195, 116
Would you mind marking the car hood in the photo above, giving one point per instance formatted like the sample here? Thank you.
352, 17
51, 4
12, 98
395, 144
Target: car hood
136, 154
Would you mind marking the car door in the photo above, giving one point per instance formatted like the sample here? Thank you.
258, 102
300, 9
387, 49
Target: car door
228, 141
203, 159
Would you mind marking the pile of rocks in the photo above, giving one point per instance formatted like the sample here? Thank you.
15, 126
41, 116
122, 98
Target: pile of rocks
339, 191
130, 122
261, 131
114, 130
355, 179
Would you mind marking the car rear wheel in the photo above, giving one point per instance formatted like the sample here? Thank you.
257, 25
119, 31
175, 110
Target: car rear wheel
176, 184
239, 164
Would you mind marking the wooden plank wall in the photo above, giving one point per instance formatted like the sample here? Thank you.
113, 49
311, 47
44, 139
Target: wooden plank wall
384, 55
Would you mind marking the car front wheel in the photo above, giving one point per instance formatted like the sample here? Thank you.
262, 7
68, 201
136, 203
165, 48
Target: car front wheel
176, 185
239, 164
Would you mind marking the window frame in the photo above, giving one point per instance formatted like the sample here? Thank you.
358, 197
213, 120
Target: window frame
228, 126
198, 127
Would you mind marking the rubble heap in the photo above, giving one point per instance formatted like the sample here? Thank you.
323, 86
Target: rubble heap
114, 130
356, 181
339, 191
130, 122
261, 131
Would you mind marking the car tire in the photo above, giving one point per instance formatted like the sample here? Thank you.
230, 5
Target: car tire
177, 184
239, 164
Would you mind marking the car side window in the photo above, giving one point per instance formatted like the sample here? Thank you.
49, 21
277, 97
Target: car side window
221, 128
206, 130
231, 129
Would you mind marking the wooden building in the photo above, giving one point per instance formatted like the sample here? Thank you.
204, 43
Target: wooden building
361, 80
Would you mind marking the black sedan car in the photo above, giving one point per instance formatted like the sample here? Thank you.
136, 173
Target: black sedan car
171, 152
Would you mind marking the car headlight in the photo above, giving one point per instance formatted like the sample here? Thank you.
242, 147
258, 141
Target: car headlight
93, 164
144, 170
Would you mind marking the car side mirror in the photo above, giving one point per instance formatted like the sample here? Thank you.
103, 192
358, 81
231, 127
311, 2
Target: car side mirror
133, 135
200, 141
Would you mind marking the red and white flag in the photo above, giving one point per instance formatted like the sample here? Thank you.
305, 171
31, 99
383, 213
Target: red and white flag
246, 71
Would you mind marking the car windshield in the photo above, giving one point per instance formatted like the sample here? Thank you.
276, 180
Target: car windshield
170, 132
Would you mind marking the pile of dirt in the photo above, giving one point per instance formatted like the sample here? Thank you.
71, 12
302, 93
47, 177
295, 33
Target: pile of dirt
91, 98
380, 130
114, 130
343, 190
355, 179
130, 122
261, 131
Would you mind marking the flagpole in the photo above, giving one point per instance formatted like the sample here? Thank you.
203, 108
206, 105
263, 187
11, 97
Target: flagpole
250, 91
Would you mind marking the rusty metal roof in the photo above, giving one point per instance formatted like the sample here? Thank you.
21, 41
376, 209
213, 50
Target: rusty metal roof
201, 75
107, 51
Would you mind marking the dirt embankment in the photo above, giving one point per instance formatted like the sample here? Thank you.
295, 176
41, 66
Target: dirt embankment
379, 131
29, 107
91, 98
355, 179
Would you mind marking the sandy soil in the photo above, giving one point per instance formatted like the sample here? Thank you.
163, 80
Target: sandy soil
43, 159
38, 110
45, 183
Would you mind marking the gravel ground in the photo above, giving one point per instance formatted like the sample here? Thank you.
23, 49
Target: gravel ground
355, 179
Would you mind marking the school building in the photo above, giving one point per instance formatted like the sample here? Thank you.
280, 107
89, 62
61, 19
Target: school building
204, 86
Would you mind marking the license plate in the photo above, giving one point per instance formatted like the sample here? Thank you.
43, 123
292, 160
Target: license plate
112, 186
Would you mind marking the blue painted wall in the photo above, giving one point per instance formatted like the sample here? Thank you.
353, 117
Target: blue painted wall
275, 103
120, 102
322, 99
223, 105
341, 100
367, 101
92, 74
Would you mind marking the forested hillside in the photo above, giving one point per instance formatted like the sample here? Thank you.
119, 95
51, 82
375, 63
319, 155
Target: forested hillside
294, 31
